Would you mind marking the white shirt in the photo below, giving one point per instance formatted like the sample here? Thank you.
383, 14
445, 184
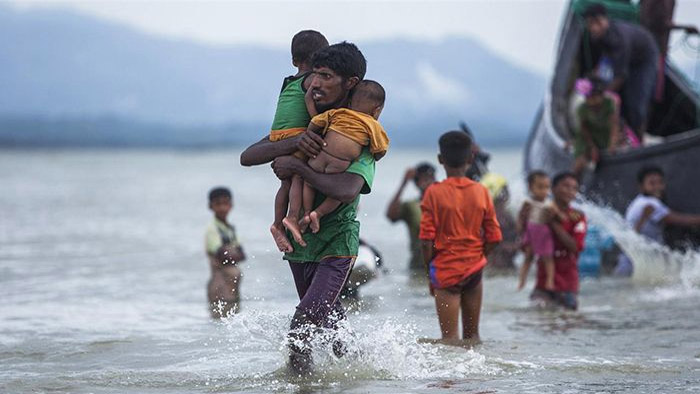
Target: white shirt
653, 227
537, 209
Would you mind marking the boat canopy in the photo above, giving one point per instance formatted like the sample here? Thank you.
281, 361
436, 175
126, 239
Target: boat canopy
617, 9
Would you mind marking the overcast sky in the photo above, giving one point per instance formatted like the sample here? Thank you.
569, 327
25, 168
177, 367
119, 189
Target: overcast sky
521, 30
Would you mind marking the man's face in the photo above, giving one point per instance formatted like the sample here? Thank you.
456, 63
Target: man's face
328, 89
424, 180
654, 185
221, 206
565, 191
597, 26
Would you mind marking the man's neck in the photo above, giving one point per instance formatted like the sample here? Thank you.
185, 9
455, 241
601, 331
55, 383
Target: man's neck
222, 220
564, 206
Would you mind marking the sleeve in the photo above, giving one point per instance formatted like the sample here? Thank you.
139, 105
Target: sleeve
364, 166
492, 229
321, 120
212, 240
378, 139
660, 211
427, 220
619, 54
579, 232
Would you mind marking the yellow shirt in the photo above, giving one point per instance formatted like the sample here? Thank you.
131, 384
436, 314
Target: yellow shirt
359, 127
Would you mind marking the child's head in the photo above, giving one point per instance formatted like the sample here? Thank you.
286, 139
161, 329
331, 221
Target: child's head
651, 181
425, 176
538, 184
596, 93
220, 202
368, 97
565, 187
455, 149
304, 45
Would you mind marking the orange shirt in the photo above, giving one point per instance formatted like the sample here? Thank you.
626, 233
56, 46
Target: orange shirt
458, 215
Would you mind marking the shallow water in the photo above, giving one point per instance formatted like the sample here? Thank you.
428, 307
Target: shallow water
102, 277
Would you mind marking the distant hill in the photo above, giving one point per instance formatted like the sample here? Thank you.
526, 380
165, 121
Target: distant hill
61, 69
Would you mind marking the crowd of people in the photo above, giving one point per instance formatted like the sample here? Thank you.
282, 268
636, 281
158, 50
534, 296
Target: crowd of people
620, 78
326, 140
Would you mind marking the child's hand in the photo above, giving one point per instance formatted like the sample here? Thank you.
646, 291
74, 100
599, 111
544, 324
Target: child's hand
648, 210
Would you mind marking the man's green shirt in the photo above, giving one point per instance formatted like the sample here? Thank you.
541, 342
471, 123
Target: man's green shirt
340, 231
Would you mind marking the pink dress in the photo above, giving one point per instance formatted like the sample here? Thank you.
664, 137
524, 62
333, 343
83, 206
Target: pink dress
538, 235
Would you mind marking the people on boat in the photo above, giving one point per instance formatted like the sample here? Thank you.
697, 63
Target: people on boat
647, 214
458, 230
225, 254
597, 245
657, 17
408, 211
598, 127
321, 267
292, 117
502, 256
632, 54
568, 233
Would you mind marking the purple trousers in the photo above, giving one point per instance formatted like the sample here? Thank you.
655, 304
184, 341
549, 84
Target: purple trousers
318, 285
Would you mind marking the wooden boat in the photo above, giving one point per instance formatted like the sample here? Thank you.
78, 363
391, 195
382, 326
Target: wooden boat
676, 120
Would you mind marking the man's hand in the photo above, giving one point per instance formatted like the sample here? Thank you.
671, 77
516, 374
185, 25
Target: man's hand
691, 30
410, 174
310, 144
283, 166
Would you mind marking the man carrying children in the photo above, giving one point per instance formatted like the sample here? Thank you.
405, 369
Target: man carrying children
322, 266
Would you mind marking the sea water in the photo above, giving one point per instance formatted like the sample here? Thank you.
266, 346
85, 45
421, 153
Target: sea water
103, 274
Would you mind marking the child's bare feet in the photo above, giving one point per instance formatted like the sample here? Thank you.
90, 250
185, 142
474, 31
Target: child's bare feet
315, 222
304, 223
293, 227
280, 237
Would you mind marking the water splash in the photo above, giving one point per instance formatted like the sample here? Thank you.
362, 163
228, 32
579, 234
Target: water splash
653, 263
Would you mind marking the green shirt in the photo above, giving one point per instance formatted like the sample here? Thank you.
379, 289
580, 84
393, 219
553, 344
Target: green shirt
340, 231
597, 122
291, 112
217, 234
410, 213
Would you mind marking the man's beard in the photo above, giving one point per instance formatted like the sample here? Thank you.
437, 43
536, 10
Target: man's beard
336, 104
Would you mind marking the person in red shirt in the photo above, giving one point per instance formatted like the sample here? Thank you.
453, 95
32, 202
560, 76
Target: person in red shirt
458, 229
569, 231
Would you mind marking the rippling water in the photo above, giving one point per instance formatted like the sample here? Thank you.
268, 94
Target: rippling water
102, 277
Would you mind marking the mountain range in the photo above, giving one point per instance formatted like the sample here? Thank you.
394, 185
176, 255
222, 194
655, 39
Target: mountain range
74, 80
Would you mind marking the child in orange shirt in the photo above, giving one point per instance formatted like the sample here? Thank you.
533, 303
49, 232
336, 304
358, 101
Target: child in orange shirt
458, 229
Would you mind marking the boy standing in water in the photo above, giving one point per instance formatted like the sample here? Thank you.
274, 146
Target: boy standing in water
224, 254
458, 229
292, 116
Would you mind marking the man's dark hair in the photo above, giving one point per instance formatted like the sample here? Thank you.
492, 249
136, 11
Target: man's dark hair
595, 10
305, 44
561, 176
370, 90
533, 175
455, 148
423, 169
648, 170
219, 192
343, 58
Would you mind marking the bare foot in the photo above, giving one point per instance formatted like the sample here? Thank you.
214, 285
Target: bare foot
304, 223
549, 285
315, 222
280, 238
293, 227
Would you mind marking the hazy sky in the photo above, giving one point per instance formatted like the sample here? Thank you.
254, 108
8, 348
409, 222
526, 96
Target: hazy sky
523, 31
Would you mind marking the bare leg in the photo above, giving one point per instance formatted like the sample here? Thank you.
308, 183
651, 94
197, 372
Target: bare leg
327, 206
579, 164
471, 312
223, 291
522, 278
447, 305
549, 270
277, 229
308, 195
291, 222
